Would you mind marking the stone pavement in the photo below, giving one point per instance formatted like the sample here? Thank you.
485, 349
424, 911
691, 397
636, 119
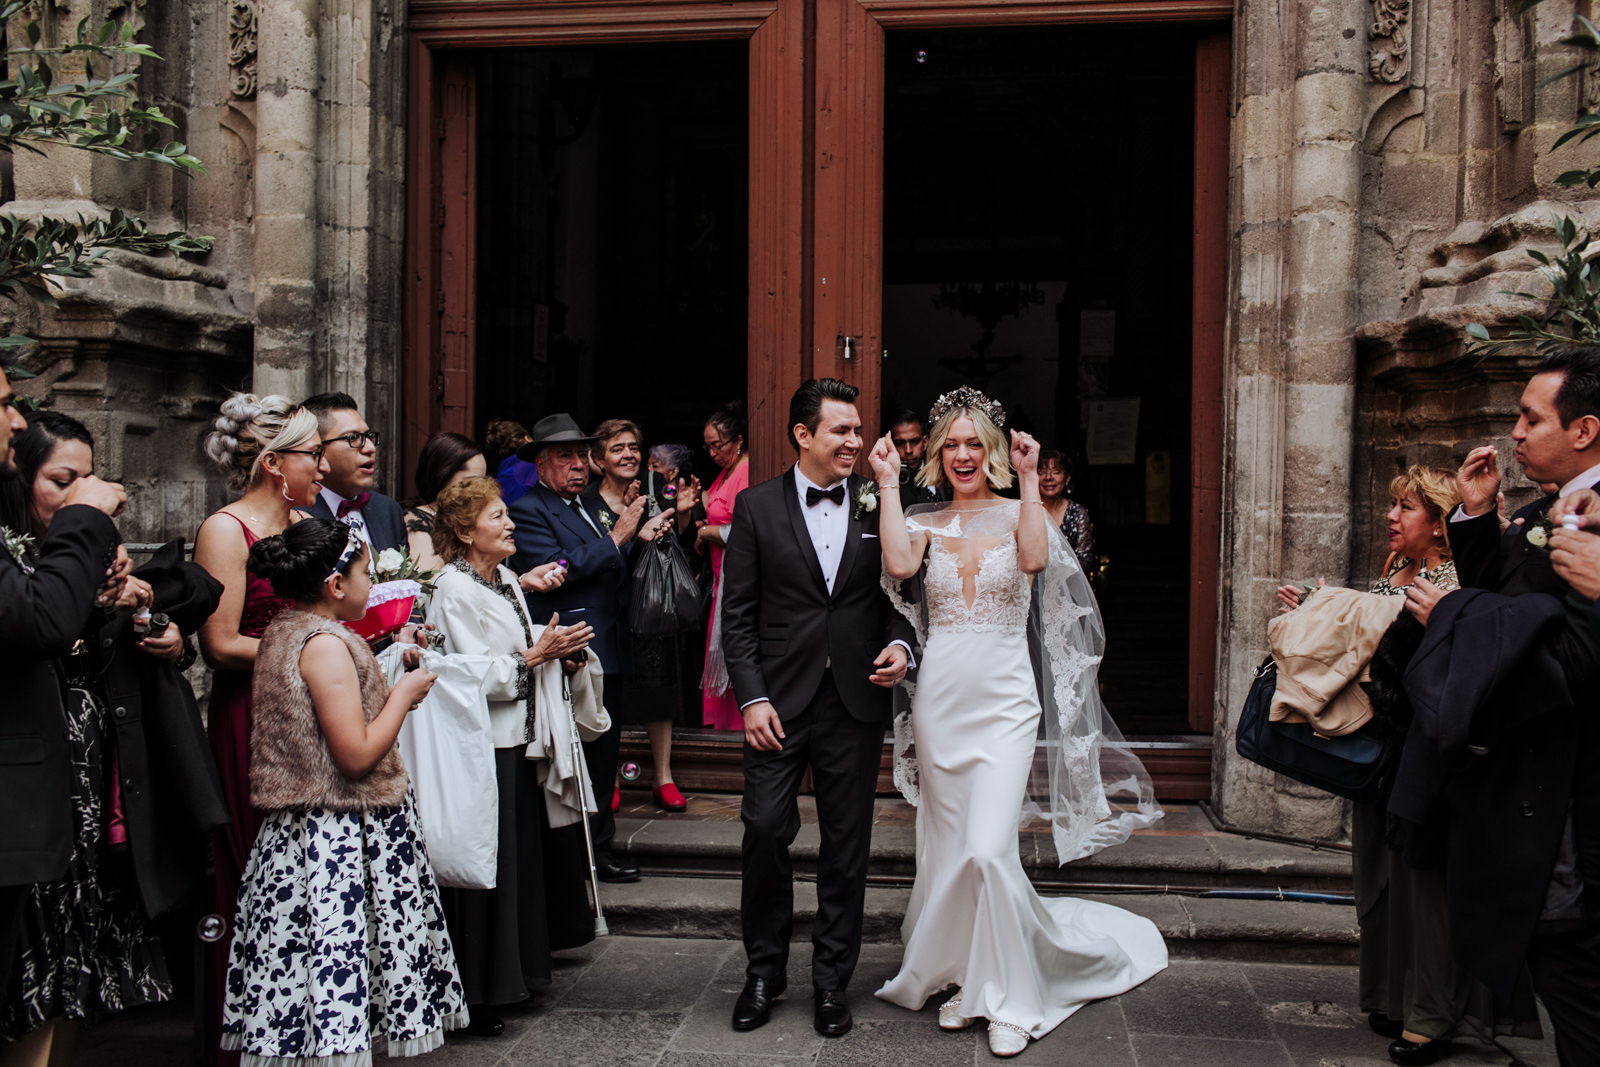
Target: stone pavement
665, 1002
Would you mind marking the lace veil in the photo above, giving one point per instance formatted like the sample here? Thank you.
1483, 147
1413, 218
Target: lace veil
1085, 779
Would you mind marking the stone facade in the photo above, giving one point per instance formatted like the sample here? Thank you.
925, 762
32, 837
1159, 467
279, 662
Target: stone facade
1389, 160
296, 107
1392, 158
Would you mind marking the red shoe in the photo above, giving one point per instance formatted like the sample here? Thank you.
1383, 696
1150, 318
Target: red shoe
616, 799
668, 797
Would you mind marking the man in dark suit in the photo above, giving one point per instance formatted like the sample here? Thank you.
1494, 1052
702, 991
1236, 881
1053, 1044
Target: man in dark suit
1534, 878
910, 438
813, 649
554, 525
351, 449
44, 607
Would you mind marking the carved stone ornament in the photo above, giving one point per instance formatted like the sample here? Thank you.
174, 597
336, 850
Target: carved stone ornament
242, 49
1390, 59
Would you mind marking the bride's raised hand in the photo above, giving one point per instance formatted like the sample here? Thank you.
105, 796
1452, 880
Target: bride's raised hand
1024, 453
884, 461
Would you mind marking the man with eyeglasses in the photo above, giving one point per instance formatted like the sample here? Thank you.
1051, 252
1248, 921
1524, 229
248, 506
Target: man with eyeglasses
351, 449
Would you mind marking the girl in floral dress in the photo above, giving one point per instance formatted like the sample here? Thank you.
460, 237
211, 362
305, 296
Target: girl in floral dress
340, 946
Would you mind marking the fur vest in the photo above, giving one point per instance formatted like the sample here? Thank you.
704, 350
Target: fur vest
290, 765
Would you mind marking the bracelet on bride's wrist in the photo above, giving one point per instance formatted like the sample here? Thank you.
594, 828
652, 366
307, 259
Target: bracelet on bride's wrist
885, 488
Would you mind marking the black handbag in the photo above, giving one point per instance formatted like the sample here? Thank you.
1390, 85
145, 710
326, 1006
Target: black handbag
666, 597
1356, 765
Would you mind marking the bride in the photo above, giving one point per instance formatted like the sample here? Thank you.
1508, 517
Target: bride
1010, 632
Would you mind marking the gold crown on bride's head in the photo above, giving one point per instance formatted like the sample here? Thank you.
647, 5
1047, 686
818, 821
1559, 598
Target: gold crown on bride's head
970, 398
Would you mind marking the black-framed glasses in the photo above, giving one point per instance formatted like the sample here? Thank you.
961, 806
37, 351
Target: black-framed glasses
713, 447
314, 453
354, 438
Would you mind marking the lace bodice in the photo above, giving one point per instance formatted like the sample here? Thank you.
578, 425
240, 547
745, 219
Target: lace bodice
999, 589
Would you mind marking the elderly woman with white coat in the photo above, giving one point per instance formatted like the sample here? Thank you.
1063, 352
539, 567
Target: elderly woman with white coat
504, 936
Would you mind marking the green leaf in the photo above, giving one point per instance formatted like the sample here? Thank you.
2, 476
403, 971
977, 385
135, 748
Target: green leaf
1477, 331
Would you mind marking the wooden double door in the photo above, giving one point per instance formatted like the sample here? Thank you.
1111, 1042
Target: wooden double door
815, 194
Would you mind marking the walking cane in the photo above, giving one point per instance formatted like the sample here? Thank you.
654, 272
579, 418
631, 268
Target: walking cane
585, 797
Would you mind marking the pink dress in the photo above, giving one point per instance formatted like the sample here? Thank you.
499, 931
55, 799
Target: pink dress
722, 712
228, 729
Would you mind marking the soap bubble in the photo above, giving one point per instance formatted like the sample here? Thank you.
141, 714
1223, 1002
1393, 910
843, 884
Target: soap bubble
631, 771
922, 57
211, 929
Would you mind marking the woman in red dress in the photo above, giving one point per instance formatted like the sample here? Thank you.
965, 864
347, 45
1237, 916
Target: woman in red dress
271, 452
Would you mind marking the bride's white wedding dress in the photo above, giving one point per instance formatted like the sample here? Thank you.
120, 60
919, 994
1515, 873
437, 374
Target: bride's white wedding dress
974, 920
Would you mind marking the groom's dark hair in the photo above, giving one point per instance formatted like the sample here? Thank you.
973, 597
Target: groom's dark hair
1579, 394
805, 407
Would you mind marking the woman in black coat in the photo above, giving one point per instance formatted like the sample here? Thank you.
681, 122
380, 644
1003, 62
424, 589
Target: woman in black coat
142, 785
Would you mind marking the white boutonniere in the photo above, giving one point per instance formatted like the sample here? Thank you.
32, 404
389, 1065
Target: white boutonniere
1538, 534
606, 520
866, 499
20, 546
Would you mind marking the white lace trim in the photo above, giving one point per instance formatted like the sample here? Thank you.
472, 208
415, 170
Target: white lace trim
398, 589
1099, 791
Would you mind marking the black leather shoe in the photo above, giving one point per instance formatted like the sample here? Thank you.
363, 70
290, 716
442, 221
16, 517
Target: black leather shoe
1384, 1026
611, 871
754, 1006
1407, 1053
833, 1014
484, 1023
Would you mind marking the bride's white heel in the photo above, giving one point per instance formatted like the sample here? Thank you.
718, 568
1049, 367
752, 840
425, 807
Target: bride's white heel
950, 1017
1006, 1039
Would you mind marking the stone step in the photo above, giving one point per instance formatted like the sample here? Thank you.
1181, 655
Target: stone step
1194, 927
1182, 851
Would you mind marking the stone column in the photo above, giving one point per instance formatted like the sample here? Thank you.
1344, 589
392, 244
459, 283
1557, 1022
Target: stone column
285, 252
1295, 201
329, 214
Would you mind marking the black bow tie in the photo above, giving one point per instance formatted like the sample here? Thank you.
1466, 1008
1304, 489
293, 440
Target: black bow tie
813, 495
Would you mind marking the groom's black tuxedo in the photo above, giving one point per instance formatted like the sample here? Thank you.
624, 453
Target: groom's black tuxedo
781, 628
788, 641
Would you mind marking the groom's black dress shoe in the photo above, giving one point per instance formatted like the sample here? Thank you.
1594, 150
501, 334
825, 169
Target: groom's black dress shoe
754, 1006
833, 1014
1384, 1026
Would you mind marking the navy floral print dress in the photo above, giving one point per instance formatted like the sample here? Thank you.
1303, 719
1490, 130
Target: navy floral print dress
340, 947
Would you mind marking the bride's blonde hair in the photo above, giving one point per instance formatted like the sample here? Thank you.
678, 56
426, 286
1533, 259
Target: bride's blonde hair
996, 451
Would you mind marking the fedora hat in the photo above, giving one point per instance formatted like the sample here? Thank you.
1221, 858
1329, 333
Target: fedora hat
557, 429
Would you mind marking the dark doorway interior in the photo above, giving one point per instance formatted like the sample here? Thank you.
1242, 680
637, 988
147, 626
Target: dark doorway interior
612, 246
1038, 202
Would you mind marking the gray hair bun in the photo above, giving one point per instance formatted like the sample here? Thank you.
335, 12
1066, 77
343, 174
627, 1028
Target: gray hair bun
244, 425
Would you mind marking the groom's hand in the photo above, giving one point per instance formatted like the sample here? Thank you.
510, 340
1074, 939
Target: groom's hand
763, 730
891, 664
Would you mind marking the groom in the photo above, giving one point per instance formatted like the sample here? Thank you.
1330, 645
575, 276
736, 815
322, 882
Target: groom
813, 649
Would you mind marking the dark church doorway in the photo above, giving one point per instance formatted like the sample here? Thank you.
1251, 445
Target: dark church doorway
612, 235
1038, 235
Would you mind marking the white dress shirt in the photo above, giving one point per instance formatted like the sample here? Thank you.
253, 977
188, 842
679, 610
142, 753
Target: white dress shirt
583, 513
357, 522
1582, 481
828, 524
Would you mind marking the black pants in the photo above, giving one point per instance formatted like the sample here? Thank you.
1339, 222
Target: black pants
843, 754
601, 755
1566, 975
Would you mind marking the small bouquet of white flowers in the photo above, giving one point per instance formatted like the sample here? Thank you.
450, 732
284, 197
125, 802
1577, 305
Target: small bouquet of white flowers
399, 586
